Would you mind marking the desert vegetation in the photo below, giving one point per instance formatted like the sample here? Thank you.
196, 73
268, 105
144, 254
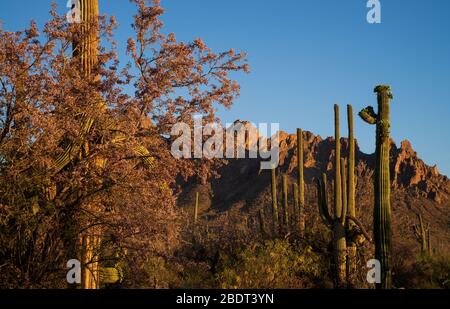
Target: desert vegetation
86, 173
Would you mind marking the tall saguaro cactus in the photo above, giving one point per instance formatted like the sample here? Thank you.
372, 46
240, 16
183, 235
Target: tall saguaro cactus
352, 248
338, 220
301, 182
346, 228
382, 209
85, 51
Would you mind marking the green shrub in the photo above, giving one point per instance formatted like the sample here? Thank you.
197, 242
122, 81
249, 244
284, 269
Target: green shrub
274, 264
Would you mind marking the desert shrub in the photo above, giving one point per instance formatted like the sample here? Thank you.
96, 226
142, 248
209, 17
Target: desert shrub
196, 275
432, 273
424, 272
273, 264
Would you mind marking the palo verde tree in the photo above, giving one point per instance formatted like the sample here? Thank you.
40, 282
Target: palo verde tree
53, 136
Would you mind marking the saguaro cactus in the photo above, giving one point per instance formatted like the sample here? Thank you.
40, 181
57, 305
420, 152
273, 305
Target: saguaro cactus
296, 212
346, 228
285, 205
351, 259
337, 222
86, 50
339, 212
196, 208
382, 209
301, 182
422, 234
275, 224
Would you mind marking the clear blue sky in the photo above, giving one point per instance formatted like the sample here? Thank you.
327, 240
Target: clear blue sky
306, 55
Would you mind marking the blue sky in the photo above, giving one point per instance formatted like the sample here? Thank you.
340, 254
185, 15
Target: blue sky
306, 55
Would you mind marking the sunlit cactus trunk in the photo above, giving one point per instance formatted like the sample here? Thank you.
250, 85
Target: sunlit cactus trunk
301, 182
382, 209
85, 50
352, 248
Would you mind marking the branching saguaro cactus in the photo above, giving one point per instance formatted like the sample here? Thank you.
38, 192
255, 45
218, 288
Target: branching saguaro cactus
382, 209
275, 223
422, 233
347, 229
337, 221
300, 182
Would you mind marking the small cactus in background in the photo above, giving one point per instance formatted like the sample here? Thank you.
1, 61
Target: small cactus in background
422, 234
196, 208
296, 211
275, 223
382, 210
285, 205
300, 182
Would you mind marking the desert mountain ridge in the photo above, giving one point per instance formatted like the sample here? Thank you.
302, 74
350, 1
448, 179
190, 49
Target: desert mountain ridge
416, 187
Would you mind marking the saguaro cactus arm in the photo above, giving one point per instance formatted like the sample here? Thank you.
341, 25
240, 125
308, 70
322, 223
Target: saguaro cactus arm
368, 115
322, 196
361, 227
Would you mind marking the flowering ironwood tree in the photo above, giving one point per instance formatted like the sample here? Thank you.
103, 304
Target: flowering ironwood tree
46, 102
